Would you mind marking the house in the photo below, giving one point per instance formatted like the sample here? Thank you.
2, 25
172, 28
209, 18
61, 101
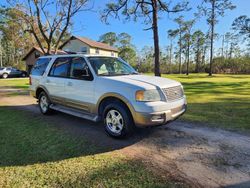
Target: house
85, 45
73, 44
35, 52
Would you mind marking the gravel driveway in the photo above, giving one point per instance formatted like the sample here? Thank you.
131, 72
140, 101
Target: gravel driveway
201, 156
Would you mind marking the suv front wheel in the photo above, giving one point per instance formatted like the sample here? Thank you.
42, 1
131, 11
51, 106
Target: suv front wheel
117, 120
44, 103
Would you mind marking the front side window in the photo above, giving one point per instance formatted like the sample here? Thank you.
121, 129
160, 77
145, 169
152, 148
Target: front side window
60, 67
40, 66
110, 66
79, 69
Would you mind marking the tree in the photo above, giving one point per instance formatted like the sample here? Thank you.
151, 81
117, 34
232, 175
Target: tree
172, 34
45, 25
147, 9
242, 26
187, 37
213, 10
123, 42
198, 40
180, 22
126, 48
108, 38
15, 42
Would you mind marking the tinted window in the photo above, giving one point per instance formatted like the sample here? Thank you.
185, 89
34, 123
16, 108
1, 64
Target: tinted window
79, 69
40, 66
60, 67
1, 68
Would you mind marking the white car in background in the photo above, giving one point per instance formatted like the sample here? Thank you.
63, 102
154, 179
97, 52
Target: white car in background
105, 89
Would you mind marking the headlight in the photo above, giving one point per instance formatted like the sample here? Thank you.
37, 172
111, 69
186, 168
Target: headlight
147, 95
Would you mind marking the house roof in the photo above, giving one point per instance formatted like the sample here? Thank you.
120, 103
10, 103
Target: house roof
91, 43
40, 50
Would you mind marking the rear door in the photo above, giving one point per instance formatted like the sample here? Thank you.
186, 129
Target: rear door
79, 87
55, 81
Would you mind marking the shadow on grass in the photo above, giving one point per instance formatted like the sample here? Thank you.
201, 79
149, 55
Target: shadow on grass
229, 113
240, 88
27, 137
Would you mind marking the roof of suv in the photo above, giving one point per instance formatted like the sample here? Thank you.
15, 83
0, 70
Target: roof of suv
77, 54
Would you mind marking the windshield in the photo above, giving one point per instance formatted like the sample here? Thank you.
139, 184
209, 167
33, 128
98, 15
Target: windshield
110, 66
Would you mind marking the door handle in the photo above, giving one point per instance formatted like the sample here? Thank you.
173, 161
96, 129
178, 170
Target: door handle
47, 81
70, 84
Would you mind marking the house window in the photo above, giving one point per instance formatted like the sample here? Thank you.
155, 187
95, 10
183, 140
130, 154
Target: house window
97, 51
84, 49
112, 54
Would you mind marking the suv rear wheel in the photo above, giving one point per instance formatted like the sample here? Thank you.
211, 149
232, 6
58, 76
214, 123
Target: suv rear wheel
44, 103
5, 75
117, 120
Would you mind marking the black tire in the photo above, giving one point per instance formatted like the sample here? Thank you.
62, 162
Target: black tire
5, 75
45, 111
23, 75
128, 123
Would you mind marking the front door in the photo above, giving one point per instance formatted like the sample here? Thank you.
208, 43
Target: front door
79, 87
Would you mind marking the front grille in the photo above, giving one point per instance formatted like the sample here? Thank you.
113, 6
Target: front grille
173, 93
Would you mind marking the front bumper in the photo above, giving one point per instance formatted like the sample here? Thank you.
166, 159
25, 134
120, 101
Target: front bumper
158, 118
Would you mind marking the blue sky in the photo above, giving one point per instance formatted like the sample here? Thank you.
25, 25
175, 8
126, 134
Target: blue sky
88, 24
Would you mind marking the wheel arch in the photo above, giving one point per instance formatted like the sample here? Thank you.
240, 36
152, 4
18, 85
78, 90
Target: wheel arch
41, 89
111, 97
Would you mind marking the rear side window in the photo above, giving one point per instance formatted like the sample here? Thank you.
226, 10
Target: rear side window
1, 68
40, 66
60, 67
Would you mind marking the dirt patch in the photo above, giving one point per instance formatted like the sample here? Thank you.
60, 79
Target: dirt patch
201, 156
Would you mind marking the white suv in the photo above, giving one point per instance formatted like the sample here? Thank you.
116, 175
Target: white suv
105, 89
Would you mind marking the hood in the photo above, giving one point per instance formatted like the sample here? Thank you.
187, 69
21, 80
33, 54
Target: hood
146, 81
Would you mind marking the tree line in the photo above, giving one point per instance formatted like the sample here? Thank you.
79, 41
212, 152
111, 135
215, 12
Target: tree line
31, 22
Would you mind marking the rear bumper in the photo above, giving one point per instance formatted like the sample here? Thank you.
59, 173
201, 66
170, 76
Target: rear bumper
158, 118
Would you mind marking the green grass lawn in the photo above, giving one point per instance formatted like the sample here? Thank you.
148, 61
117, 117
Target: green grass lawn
34, 153
18, 83
221, 100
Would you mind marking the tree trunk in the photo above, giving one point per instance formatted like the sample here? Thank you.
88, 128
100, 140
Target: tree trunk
188, 51
170, 55
180, 51
222, 48
212, 37
198, 56
156, 38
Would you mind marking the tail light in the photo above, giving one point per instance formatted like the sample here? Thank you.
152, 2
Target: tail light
30, 82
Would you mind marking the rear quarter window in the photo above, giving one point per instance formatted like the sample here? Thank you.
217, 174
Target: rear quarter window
40, 66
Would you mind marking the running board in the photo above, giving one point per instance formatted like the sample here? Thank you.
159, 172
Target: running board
75, 112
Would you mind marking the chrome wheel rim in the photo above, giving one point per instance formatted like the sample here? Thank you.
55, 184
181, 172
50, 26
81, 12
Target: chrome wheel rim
114, 121
44, 103
5, 75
